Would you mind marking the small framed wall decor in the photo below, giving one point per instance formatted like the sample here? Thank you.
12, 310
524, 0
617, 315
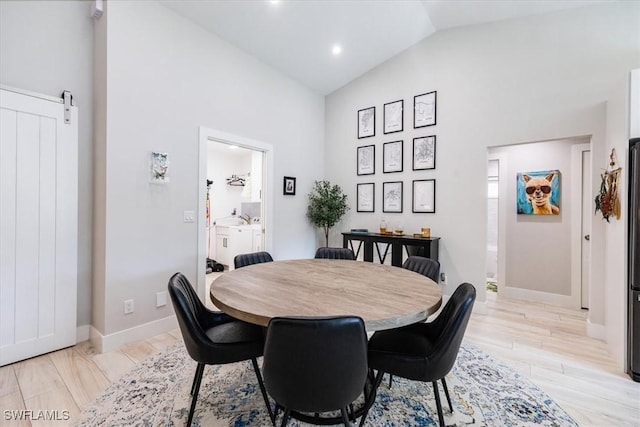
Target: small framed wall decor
289, 186
392, 197
367, 160
366, 201
393, 116
424, 196
366, 122
392, 154
424, 110
424, 153
159, 168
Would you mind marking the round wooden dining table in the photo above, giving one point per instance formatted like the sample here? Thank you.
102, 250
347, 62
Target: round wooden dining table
385, 297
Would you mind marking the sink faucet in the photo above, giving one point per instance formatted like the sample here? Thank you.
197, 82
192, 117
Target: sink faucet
245, 218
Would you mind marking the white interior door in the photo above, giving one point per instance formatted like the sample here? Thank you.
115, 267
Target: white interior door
38, 225
586, 227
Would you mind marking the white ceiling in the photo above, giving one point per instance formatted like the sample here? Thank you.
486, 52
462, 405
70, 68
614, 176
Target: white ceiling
296, 36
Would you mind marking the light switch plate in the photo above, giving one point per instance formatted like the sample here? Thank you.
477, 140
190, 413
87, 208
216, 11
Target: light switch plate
189, 216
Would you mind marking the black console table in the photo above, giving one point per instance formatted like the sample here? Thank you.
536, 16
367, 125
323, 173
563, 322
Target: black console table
423, 246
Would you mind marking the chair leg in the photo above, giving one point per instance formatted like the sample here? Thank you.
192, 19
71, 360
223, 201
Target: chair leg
285, 417
196, 389
390, 380
345, 418
372, 397
446, 393
263, 390
438, 404
199, 370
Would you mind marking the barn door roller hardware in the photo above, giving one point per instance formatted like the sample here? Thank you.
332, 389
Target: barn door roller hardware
67, 99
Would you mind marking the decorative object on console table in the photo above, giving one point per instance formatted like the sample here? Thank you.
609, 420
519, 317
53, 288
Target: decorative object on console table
424, 153
289, 186
366, 200
392, 156
424, 196
327, 205
424, 110
538, 193
393, 116
392, 197
366, 122
367, 160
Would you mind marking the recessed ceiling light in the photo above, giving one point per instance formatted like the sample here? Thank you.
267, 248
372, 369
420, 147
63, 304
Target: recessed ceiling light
232, 147
274, 2
336, 49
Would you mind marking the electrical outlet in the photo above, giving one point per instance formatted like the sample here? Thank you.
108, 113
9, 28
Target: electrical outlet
443, 278
128, 306
161, 299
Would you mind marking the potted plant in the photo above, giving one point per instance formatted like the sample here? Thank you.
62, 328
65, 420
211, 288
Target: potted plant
327, 204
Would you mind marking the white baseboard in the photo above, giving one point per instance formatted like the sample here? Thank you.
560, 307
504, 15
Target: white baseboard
106, 343
83, 333
596, 331
537, 296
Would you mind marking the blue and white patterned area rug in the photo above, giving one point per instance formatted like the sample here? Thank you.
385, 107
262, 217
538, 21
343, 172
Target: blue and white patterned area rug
484, 391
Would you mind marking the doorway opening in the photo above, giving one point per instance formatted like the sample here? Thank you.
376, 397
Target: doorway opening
235, 181
540, 256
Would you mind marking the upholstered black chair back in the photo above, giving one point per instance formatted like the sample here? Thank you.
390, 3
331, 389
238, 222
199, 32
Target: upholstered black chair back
450, 326
425, 266
213, 338
210, 337
335, 253
253, 258
315, 364
424, 351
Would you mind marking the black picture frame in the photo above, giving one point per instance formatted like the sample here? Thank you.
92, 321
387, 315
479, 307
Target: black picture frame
366, 197
366, 160
424, 196
392, 156
392, 199
393, 117
424, 153
367, 122
289, 186
425, 109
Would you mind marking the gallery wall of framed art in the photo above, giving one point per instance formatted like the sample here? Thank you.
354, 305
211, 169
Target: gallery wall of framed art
421, 156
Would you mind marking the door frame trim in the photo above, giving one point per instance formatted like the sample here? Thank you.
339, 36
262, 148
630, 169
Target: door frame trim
576, 223
206, 135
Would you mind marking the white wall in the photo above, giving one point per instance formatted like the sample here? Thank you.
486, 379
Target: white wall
47, 47
532, 79
165, 78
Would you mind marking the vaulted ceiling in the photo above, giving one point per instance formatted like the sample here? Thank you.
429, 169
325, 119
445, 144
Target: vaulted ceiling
297, 37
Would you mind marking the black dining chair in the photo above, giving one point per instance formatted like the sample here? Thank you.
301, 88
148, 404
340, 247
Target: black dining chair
213, 338
427, 267
335, 253
244, 260
315, 365
423, 351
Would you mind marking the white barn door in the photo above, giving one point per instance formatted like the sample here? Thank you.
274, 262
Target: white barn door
38, 225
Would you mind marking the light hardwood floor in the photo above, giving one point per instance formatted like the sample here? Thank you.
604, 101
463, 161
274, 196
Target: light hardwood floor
546, 344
